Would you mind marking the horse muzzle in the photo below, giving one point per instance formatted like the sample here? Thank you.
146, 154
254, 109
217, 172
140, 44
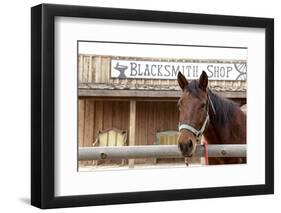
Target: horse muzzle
187, 147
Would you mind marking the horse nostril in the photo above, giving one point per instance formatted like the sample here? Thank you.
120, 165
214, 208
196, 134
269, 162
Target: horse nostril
190, 144
186, 148
181, 147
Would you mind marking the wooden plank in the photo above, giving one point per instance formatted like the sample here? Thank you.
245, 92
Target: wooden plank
174, 116
174, 100
98, 123
125, 114
89, 124
103, 70
150, 129
138, 133
98, 70
80, 68
93, 70
85, 69
147, 94
81, 117
169, 116
167, 111
132, 130
90, 71
162, 117
120, 115
142, 124
157, 117
107, 114
141, 127
116, 118
106, 69
116, 115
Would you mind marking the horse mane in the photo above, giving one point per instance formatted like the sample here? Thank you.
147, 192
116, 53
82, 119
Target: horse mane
224, 108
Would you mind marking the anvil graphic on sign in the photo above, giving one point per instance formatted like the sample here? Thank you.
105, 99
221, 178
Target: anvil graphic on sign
121, 69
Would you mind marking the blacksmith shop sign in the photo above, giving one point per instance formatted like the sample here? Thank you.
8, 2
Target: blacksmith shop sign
133, 69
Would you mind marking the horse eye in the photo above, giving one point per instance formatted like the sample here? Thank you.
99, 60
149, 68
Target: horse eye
203, 105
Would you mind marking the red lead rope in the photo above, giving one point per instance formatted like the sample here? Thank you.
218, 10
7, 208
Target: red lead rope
205, 143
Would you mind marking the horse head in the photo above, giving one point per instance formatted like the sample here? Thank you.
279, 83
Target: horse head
193, 112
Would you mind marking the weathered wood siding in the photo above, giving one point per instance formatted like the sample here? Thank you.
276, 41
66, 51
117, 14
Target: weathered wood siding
96, 115
151, 117
100, 115
96, 69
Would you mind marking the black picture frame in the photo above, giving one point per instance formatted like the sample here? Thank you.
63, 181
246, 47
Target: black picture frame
43, 105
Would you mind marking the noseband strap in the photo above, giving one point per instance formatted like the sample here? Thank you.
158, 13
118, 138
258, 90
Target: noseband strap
199, 132
196, 132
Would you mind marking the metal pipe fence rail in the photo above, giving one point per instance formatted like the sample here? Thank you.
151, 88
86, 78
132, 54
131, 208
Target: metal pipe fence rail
158, 151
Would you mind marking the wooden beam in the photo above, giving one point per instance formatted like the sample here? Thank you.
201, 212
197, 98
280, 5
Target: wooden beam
148, 93
159, 151
132, 129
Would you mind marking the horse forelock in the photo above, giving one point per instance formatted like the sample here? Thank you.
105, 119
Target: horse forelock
192, 87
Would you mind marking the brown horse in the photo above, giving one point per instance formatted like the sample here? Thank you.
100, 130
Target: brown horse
204, 113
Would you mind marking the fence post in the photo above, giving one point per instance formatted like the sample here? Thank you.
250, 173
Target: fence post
132, 130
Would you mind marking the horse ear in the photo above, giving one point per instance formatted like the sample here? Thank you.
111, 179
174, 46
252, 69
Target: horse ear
182, 81
203, 81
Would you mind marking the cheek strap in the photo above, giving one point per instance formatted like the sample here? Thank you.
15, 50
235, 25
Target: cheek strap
196, 132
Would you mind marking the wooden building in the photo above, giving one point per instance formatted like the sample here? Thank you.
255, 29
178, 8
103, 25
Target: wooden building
142, 107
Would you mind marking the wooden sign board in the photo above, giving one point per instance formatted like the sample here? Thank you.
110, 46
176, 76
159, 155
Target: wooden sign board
134, 69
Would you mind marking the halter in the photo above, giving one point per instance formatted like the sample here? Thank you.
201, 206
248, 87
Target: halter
199, 133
